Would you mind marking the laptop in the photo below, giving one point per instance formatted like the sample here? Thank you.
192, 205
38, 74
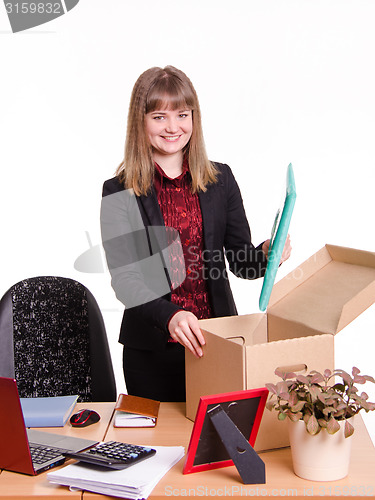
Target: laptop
26, 450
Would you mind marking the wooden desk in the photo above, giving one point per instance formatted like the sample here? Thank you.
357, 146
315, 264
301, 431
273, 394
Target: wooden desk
174, 429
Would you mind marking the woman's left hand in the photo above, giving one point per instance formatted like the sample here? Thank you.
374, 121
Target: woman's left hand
286, 251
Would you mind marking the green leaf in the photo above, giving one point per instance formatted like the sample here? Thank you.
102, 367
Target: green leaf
328, 410
317, 378
294, 417
341, 406
315, 391
329, 401
348, 429
344, 375
339, 413
303, 379
312, 425
284, 396
359, 379
270, 405
365, 406
281, 416
332, 426
298, 407
360, 401
282, 387
272, 388
293, 398
322, 396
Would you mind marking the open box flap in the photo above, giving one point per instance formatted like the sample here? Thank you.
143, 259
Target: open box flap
223, 365
247, 329
327, 291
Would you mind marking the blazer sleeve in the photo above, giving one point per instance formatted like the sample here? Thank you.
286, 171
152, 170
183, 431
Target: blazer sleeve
138, 275
244, 259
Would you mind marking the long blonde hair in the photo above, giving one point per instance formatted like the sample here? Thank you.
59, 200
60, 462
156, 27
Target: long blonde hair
155, 89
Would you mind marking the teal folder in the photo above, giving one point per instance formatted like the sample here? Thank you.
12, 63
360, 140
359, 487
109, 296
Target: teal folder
278, 237
47, 412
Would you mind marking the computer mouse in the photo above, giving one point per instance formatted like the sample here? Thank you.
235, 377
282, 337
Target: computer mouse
84, 418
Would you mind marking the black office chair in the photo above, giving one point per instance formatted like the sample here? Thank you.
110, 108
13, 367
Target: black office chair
53, 340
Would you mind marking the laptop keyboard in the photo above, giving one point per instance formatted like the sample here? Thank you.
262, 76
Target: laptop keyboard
41, 454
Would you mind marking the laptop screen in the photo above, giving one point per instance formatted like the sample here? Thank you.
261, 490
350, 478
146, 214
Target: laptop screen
14, 445
14, 438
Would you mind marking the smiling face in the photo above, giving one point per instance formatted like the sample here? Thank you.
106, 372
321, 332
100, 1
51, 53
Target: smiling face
169, 131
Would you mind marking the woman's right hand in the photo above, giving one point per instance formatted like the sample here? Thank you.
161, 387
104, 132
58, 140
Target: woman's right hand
184, 328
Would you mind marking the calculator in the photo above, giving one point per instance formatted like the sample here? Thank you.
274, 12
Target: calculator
113, 454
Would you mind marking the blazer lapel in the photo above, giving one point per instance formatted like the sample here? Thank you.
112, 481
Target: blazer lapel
150, 210
153, 221
207, 209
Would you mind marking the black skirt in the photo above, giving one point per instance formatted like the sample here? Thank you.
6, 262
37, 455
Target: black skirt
156, 375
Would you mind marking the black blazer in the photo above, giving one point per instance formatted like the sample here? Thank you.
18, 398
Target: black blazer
225, 229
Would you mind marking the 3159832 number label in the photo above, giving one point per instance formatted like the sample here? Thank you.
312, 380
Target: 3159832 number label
34, 8
344, 491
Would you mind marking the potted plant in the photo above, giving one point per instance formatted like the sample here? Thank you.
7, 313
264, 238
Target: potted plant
320, 412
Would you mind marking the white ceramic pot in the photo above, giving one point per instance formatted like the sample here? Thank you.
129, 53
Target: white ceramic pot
323, 457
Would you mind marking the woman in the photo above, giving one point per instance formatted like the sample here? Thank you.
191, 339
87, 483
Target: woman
167, 219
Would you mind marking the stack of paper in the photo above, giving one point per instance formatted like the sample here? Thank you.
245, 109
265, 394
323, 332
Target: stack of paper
135, 482
125, 419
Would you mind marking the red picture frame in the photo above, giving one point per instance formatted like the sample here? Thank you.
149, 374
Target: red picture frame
205, 451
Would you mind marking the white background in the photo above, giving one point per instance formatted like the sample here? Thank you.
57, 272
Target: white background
279, 81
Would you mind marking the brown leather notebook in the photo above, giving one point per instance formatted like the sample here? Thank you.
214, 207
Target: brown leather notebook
133, 411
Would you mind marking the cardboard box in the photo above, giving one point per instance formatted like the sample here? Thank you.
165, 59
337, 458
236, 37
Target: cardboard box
306, 309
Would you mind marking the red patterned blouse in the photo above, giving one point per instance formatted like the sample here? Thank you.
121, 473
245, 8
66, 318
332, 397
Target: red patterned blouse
181, 211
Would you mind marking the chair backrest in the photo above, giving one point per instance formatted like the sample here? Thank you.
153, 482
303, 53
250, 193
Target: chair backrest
53, 340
